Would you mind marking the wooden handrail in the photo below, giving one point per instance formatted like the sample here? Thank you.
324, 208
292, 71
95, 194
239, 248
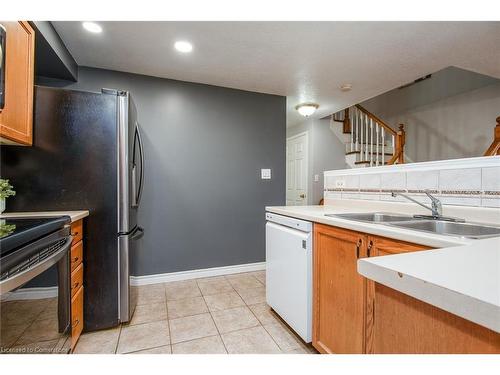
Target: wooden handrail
494, 148
376, 119
399, 147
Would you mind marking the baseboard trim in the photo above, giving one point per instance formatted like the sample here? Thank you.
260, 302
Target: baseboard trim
195, 274
31, 293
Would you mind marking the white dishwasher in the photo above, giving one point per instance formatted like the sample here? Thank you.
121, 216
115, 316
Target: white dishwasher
289, 271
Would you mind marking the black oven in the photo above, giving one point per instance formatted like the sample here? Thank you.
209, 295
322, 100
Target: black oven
35, 290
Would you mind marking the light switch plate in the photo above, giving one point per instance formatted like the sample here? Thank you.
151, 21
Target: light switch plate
265, 174
316, 178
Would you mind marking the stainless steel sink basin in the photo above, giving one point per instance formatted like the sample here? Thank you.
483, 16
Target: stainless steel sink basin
467, 230
374, 217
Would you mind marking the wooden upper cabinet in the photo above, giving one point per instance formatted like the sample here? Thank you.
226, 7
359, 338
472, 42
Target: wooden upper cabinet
16, 117
338, 290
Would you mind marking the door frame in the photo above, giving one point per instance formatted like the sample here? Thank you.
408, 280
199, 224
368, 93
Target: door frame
306, 133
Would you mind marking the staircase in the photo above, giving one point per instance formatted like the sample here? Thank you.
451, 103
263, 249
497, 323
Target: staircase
369, 141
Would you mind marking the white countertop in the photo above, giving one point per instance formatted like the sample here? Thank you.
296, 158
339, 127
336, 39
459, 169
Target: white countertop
74, 215
461, 276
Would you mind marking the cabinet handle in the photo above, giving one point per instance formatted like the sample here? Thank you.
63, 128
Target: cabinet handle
358, 246
75, 259
74, 234
76, 285
369, 249
77, 321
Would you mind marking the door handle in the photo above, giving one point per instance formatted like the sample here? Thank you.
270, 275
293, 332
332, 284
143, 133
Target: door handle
302, 195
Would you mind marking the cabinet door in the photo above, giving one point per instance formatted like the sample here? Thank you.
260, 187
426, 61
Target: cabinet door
375, 323
338, 290
16, 117
76, 316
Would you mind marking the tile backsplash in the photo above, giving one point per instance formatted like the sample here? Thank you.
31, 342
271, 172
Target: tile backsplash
463, 182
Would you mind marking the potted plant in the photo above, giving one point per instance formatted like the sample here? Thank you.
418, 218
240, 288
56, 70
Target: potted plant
5, 191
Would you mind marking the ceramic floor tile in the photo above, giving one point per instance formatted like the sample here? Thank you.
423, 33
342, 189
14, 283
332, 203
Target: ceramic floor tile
234, 319
23, 311
245, 281
214, 285
148, 294
143, 336
182, 289
40, 330
207, 345
192, 327
152, 312
264, 313
159, 350
285, 339
250, 341
253, 296
9, 334
186, 307
259, 275
224, 301
99, 342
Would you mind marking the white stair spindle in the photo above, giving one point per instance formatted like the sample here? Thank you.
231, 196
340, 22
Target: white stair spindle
371, 142
367, 122
377, 136
361, 138
351, 127
383, 145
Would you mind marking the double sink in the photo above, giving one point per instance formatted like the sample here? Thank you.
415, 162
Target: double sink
436, 226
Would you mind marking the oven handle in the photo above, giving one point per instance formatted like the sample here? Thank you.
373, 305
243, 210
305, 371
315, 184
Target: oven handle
23, 277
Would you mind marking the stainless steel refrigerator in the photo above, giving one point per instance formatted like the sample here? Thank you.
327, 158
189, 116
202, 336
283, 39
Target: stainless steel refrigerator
87, 154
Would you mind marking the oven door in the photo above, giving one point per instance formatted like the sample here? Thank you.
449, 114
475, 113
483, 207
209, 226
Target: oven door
36, 300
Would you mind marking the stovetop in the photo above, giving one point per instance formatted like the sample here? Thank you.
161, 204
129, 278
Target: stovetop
17, 232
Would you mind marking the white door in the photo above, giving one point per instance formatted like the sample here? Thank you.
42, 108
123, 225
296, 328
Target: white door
296, 169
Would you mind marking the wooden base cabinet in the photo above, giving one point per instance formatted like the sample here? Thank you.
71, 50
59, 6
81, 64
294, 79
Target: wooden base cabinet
338, 290
77, 288
403, 324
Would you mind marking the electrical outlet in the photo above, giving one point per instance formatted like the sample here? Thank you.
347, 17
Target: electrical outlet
339, 183
265, 174
316, 178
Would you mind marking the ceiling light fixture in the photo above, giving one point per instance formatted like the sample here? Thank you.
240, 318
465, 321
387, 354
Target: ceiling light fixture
183, 46
307, 109
92, 27
346, 87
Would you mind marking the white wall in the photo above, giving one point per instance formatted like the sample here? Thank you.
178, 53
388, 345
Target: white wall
449, 116
326, 152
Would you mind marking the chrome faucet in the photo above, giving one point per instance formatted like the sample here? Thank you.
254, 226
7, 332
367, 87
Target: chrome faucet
436, 207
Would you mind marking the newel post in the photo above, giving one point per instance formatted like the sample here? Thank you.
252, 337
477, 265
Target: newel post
347, 122
494, 148
400, 144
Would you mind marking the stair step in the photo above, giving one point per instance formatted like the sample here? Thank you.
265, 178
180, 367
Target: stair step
374, 153
366, 162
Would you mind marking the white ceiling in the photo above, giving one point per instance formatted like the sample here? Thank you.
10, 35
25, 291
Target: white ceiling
305, 61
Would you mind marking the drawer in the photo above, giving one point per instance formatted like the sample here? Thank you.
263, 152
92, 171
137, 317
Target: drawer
76, 316
76, 279
77, 231
76, 255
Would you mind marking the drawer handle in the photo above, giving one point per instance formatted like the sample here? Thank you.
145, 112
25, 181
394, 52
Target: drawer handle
76, 285
358, 246
75, 234
77, 321
75, 259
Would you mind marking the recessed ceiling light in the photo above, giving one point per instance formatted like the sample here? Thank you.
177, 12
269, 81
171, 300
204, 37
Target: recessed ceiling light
92, 27
183, 46
346, 87
307, 109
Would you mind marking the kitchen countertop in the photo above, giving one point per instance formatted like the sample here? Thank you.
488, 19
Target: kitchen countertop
74, 215
461, 276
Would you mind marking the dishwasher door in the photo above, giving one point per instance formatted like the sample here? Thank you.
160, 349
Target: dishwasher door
289, 276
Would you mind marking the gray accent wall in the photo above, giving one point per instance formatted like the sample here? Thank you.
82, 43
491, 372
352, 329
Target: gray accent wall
204, 202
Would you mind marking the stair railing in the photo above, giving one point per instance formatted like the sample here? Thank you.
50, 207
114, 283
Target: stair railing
370, 136
494, 148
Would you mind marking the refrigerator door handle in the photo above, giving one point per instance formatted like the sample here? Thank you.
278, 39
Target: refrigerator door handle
137, 192
138, 233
